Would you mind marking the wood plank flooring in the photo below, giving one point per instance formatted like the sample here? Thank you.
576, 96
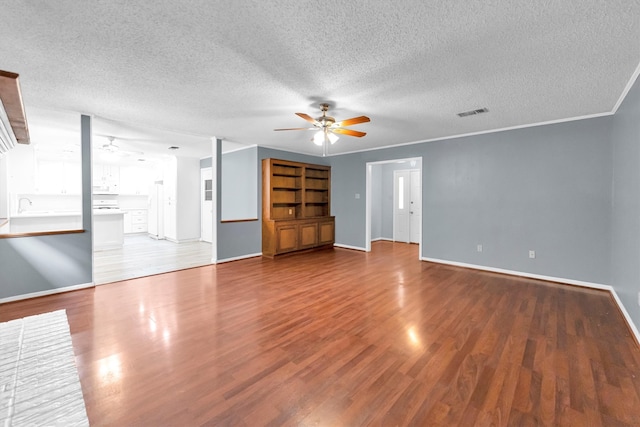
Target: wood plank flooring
345, 338
142, 256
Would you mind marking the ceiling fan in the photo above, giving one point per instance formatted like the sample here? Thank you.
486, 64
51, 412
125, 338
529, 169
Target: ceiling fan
112, 147
326, 127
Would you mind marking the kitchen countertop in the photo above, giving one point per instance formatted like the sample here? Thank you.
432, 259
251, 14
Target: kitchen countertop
108, 212
45, 214
51, 214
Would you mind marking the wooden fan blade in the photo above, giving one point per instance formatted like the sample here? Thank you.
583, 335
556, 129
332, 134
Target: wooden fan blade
353, 121
297, 129
349, 132
307, 118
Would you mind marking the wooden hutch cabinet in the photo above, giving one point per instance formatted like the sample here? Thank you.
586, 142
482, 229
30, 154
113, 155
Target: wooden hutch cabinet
295, 207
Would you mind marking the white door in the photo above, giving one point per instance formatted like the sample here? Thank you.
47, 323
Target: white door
206, 205
415, 206
401, 206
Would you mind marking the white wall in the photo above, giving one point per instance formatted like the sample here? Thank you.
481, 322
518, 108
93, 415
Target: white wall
188, 199
182, 199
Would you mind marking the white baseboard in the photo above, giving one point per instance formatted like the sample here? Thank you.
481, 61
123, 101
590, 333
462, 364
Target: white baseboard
381, 238
237, 258
521, 274
355, 248
182, 241
47, 292
573, 282
626, 315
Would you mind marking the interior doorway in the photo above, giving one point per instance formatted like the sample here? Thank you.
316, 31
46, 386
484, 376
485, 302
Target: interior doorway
381, 201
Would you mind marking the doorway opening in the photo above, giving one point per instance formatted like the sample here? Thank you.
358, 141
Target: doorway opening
394, 202
146, 201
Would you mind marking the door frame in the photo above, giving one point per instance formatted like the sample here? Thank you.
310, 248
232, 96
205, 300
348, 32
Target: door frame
205, 173
411, 213
416, 163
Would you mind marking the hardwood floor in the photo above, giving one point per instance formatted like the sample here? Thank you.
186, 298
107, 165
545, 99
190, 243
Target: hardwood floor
143, 256
345, 338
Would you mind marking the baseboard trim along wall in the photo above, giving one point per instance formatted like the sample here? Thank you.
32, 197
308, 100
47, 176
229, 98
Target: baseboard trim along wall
626, 315
355, 248
47, 292
237, 258
591, 285
377, 239
181, 241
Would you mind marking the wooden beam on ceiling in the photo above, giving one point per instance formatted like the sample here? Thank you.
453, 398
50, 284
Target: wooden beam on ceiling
11, 98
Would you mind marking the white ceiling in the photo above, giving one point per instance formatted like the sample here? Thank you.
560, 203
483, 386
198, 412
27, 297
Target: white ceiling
173, 72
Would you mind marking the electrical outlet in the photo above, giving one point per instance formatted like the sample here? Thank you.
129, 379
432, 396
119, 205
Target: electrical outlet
532, 254
357, 195
479, 248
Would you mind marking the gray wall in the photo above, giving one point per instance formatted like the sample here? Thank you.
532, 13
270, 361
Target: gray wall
45, 263
545, 188
243, 238
570, 191
239, 184
205, 163
625, 237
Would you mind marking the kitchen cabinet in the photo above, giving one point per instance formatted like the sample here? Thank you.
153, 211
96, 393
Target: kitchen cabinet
106, 179
135, 221
21, 167
135, 180
295, 210
107, 229
58, 177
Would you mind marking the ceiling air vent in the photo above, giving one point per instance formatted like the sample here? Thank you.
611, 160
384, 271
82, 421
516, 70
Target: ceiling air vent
474, 112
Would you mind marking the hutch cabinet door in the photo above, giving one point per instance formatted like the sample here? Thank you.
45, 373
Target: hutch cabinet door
308, 235
286, 238
327, 232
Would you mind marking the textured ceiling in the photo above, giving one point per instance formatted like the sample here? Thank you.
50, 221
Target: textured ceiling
238, 69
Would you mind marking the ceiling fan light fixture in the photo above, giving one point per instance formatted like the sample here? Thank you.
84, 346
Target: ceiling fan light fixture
326, 127
318, 138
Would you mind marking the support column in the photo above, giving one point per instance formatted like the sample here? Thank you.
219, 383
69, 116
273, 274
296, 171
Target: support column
216, 186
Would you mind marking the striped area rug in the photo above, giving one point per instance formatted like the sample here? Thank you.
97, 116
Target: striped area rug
39, 383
